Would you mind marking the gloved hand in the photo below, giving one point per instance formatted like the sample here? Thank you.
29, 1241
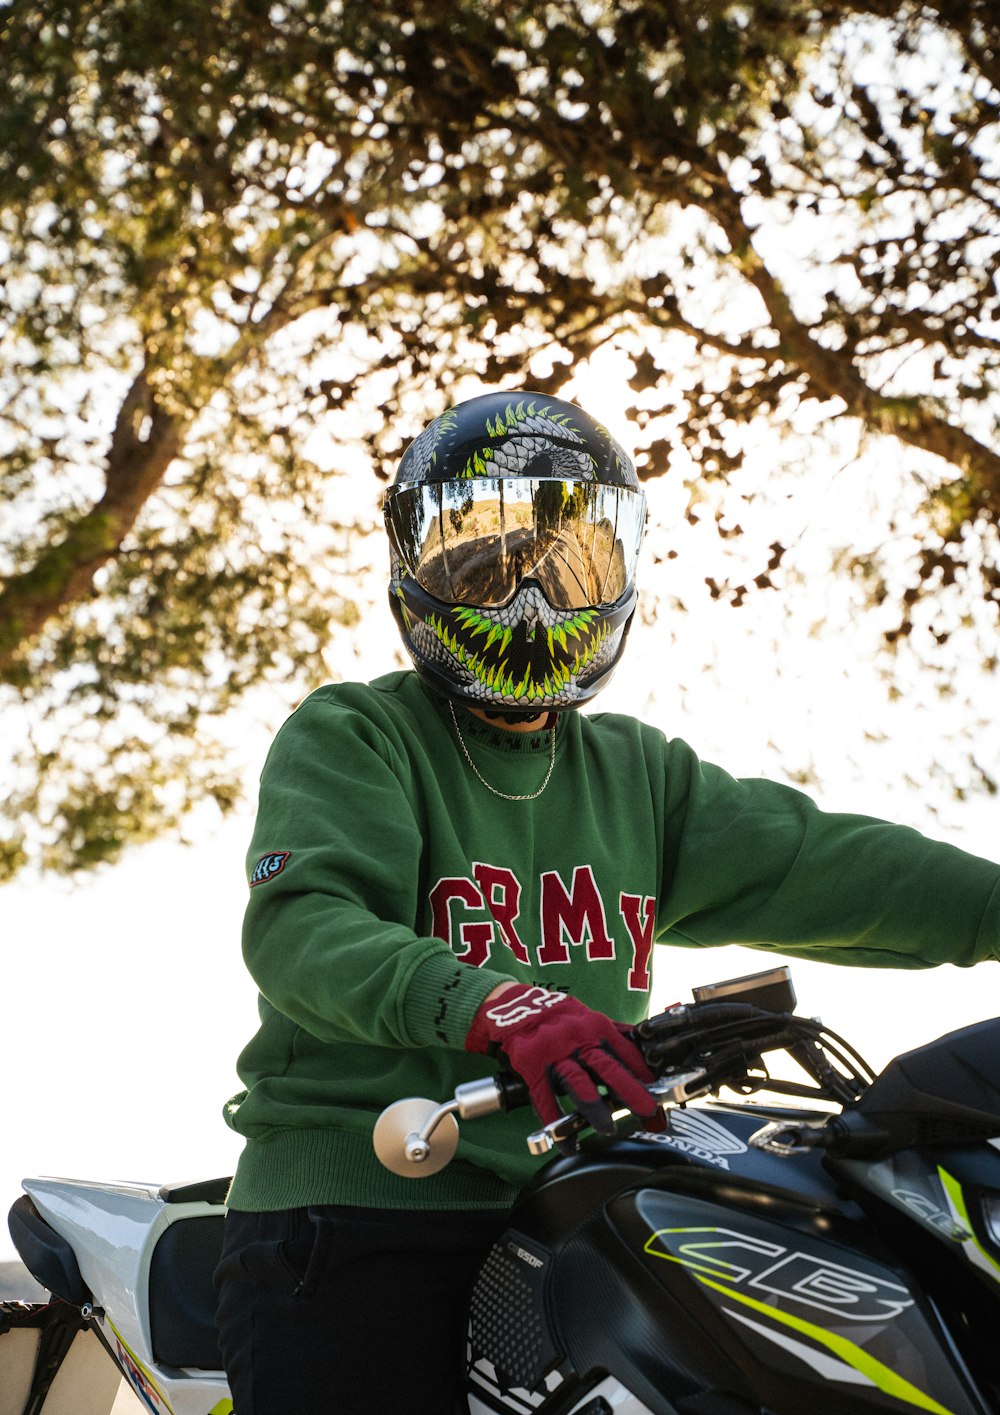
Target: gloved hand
556, 1043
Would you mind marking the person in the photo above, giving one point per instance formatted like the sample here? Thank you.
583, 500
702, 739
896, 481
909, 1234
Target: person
453, 869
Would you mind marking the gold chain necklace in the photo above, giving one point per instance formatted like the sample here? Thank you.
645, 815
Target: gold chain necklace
505, 795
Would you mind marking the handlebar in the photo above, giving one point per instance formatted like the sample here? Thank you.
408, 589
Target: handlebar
693, 1049
416, 1138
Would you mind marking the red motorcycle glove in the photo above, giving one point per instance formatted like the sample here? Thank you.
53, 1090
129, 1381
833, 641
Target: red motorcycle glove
556, 1043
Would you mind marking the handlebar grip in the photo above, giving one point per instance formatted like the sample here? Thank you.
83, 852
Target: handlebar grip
512, 1090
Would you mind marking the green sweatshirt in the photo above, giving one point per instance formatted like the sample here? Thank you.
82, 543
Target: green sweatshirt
391, 891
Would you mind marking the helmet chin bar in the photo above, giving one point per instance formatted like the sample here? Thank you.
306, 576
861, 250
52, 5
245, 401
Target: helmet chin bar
430, 631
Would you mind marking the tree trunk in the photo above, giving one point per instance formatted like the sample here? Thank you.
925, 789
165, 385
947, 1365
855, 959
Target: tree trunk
145, 441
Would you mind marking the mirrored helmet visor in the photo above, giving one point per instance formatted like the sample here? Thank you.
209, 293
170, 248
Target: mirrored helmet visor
475, 541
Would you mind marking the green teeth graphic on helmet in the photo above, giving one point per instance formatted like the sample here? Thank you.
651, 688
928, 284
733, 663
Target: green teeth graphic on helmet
478, 646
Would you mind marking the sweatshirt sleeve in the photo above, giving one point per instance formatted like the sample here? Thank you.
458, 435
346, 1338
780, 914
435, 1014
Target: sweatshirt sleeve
329, 932
758, 863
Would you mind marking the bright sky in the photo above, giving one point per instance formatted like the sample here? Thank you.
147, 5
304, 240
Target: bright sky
125, 1001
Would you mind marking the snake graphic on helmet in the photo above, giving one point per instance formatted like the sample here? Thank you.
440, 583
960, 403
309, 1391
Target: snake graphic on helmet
514, 524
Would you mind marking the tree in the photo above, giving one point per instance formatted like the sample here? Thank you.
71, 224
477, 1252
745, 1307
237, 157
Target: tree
246, 247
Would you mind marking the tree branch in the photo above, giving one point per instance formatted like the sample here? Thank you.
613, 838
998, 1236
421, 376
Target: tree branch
913, 420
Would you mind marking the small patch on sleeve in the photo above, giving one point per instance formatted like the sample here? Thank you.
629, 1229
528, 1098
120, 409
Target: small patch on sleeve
268, 866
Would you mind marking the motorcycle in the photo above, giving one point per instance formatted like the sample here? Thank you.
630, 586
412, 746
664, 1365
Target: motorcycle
835, 1248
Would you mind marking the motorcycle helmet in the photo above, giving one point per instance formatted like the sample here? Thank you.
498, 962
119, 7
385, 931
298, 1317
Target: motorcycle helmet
514, 524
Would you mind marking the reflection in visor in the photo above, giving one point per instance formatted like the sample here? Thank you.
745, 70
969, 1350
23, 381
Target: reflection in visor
475, 542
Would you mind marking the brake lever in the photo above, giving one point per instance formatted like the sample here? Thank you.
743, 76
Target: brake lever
671, 1090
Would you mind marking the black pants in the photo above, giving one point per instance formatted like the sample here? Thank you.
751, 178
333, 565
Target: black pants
348, 1311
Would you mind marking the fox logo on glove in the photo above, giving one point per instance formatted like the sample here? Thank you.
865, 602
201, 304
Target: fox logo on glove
527, 1002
